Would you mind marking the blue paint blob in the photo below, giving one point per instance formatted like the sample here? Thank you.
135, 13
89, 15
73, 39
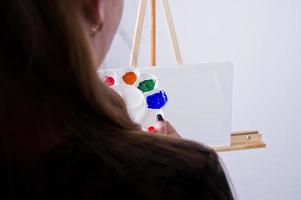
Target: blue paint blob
157, 100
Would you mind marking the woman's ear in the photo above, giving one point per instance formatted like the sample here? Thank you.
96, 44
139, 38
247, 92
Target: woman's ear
94, 13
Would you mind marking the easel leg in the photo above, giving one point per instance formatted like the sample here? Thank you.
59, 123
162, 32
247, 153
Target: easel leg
138, 33
153, 31
139, 29
172, 31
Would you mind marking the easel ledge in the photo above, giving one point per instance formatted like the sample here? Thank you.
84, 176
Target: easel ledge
243, 141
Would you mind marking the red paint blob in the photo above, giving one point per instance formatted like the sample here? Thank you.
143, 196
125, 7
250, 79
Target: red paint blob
109, 81
151, 129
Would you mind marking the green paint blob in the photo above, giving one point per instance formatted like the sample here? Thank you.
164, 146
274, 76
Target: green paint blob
147, 85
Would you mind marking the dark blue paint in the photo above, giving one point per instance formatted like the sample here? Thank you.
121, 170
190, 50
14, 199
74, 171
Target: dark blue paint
157, 100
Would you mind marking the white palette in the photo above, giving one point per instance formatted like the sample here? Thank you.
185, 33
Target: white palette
141, 93
199, 99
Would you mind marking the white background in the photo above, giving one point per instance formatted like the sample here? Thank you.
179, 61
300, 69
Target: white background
263, 39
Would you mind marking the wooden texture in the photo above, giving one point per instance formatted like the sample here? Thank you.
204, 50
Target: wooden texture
153, 36
138, 33
243, 141
153, 31
172, 31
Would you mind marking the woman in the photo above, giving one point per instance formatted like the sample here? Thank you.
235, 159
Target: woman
64, 134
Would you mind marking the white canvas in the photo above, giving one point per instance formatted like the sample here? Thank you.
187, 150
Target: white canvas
200, 100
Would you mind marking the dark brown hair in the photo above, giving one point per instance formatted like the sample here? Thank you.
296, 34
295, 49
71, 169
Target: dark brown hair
49, 91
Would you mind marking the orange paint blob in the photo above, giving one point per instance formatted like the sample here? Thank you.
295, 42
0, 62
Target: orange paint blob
130, 78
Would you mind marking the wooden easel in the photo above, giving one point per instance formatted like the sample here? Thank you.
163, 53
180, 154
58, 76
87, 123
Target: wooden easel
239, 140
139, 28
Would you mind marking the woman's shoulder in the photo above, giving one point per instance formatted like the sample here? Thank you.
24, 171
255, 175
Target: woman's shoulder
132, 153
135, 166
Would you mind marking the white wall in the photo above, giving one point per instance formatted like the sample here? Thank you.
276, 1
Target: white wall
263, 39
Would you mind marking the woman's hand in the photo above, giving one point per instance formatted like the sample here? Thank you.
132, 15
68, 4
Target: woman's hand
166, 129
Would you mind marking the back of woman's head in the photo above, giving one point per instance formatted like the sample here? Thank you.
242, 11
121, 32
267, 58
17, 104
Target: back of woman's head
48, 81
49, 90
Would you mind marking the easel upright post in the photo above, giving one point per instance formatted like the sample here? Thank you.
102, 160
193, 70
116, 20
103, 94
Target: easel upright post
153, 35
153, 31
138, 33
172, 31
